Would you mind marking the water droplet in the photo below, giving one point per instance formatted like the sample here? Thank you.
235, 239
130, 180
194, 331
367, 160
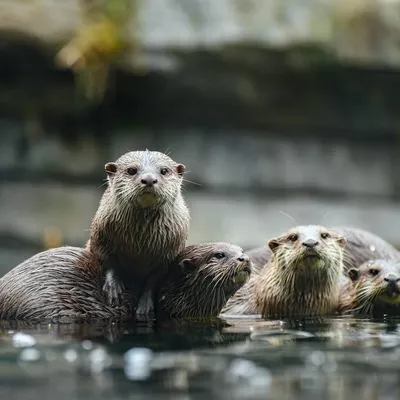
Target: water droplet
316, 358
23, 340
99, 360
137, 363
30, 354
87, 345
70, 355
372, 248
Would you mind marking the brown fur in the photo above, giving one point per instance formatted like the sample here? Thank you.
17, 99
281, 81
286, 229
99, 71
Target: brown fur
367, 290
58, 285
290, 285
199, 284
361, 247
136, 239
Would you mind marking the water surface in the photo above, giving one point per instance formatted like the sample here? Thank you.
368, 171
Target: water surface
226, 358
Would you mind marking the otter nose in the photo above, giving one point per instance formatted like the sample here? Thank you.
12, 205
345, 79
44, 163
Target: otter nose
149, 180
243, 257
391, 278
310, 243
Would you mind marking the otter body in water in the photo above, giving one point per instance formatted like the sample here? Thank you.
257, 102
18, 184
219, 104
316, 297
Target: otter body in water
140, 226
202, 280
58, 285
361, 247
372, 289
301, 278
65, 285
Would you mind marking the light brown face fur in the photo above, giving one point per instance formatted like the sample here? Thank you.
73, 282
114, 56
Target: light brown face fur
204, 277
303, 275
376, 287
145, 178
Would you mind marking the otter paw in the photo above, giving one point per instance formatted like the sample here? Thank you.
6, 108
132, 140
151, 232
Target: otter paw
113, 292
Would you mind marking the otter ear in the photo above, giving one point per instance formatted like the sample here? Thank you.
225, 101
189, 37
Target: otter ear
187, 265
273, 244
342, 241
110, 168
354, 274
180, 169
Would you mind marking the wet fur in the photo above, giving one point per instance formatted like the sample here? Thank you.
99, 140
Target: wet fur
286, 286
135, 243
201, 286
361, 294
361, 246
57, 285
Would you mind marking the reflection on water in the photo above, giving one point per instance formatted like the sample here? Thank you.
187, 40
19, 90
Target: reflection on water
230, 358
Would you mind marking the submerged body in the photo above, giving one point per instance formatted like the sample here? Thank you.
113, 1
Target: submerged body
58, 285
361, 246
373, 289
202, 280
141, 225
301, 278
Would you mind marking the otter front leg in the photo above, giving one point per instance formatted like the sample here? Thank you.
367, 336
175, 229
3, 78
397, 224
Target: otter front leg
145, 305
147, 299
113, 287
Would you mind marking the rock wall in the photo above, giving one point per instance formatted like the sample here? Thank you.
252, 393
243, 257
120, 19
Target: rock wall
243, 181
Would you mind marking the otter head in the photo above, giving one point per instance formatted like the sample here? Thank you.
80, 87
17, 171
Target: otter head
205, 277
145, 178
308, 250
377, 284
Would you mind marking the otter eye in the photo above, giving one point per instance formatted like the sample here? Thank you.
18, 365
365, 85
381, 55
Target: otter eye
324, 235
293, 238
164, 171
374, 271
219, 255
131, 171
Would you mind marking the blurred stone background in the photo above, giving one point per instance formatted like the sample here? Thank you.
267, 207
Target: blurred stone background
275, 107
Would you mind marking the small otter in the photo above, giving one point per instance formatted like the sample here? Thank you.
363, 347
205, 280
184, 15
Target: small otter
302, 277
140, 226
57, 285
372, 289
202, 280
361, 246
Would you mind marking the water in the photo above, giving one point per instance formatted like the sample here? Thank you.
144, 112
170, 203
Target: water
227, 358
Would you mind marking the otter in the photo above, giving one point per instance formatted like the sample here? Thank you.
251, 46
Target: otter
202, 280
361, 247
301, 278
141, 225
372, 289
65, 284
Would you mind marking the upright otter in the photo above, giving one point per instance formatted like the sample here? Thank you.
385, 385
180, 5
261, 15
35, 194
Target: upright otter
65, 285
361, 246
302, 277
202, 280
140, 226
372, 289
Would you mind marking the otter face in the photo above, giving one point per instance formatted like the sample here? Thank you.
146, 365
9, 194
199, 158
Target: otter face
308, 246
221, 263
377, 281
206, 276
145, 178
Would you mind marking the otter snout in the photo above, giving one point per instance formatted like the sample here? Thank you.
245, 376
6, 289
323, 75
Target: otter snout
392, 288
391, 278
310, 243
149, 180
243, 258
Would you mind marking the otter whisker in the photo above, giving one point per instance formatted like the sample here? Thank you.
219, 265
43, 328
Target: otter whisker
289, 216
